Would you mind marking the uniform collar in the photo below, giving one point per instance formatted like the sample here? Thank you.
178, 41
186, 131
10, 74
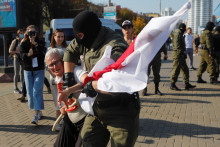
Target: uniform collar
99, 39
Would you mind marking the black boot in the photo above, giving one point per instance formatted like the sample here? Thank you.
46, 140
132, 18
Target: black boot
200, 80
213, 81
173, 87
144, 93
189, 86
157, 91
49, 90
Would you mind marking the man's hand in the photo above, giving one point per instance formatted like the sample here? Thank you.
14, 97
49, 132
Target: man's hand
89, 90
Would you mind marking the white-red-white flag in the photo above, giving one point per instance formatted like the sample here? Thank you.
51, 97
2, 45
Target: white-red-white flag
129, 72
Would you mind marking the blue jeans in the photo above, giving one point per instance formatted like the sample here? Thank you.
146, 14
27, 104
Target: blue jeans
34, 86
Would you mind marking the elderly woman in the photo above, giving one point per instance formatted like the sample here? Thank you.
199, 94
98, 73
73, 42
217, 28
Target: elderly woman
69, 132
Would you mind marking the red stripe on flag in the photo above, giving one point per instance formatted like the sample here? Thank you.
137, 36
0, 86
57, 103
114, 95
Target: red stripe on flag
117, 65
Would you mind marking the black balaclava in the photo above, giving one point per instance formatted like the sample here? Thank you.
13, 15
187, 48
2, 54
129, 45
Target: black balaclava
209, 26
88, 23
182, 27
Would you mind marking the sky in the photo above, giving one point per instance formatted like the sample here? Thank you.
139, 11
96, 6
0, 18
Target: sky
147, 6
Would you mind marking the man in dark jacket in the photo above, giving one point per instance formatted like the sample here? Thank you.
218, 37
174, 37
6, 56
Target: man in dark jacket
117, 115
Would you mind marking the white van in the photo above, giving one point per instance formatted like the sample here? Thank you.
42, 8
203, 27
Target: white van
66, 26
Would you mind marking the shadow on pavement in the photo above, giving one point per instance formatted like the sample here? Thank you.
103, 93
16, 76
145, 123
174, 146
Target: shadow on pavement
32, 129
171, 100
166, 129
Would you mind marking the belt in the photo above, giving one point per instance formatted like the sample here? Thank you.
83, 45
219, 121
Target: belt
122, 99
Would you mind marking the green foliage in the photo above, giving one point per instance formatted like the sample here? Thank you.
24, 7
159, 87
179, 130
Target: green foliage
138, 24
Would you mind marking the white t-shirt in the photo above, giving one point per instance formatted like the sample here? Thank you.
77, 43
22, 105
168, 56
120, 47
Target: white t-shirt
188, 40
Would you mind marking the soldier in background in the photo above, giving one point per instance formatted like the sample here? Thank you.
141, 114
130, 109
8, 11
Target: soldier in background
206, 52
156, 65
216, 41
179, 59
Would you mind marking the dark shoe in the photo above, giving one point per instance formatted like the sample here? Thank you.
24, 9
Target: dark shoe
158, 92
49, 90
22, 98
193, 68
144, 93
189, 86
213, 81
200, 80
173, 87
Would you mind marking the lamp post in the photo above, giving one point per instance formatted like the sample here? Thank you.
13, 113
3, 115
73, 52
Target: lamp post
160, 7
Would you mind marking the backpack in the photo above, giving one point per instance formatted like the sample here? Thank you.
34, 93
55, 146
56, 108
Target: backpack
16, 44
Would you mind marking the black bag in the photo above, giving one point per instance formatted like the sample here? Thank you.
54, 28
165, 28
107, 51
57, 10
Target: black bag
69, 135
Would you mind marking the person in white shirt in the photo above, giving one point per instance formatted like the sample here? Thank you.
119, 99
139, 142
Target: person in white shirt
189, 46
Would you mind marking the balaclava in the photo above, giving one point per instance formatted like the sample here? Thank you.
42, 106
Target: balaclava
209, 26
89, 24
182, 27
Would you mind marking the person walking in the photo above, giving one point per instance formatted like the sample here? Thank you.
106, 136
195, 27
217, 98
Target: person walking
189, 46
179, 59
32, 53
206, 52
156, 66
14, 51
117, 115
197, 43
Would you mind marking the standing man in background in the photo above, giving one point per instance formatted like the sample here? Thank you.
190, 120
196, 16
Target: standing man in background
127, 29
179, 59
156, 65
189, 46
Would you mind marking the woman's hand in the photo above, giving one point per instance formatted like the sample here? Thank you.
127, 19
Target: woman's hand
63, 97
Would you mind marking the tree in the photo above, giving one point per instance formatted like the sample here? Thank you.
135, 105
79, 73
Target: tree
138, 25
125, 14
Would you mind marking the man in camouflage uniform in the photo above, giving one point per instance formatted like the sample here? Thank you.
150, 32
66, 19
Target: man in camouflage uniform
116, 116
156, 65
206, 52
216, 41
179, 59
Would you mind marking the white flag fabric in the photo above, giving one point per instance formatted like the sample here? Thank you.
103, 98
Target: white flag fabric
132, 76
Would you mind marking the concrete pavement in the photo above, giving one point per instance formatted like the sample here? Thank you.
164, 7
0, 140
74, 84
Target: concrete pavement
176, 119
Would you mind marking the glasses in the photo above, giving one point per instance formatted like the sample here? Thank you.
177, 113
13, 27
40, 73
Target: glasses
56, 63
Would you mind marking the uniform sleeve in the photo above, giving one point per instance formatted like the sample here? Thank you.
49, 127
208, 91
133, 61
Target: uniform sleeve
209, 41
72, 52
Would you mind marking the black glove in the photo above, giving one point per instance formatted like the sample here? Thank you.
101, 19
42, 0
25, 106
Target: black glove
89, 90
184, 56
211, 52
68, 81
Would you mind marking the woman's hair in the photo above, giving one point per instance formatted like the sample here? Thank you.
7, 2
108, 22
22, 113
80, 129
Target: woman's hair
26, 32
57, 51
53, 42
19, 31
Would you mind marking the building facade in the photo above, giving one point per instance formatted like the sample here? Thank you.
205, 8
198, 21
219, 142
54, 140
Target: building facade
167, 12
199, 14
